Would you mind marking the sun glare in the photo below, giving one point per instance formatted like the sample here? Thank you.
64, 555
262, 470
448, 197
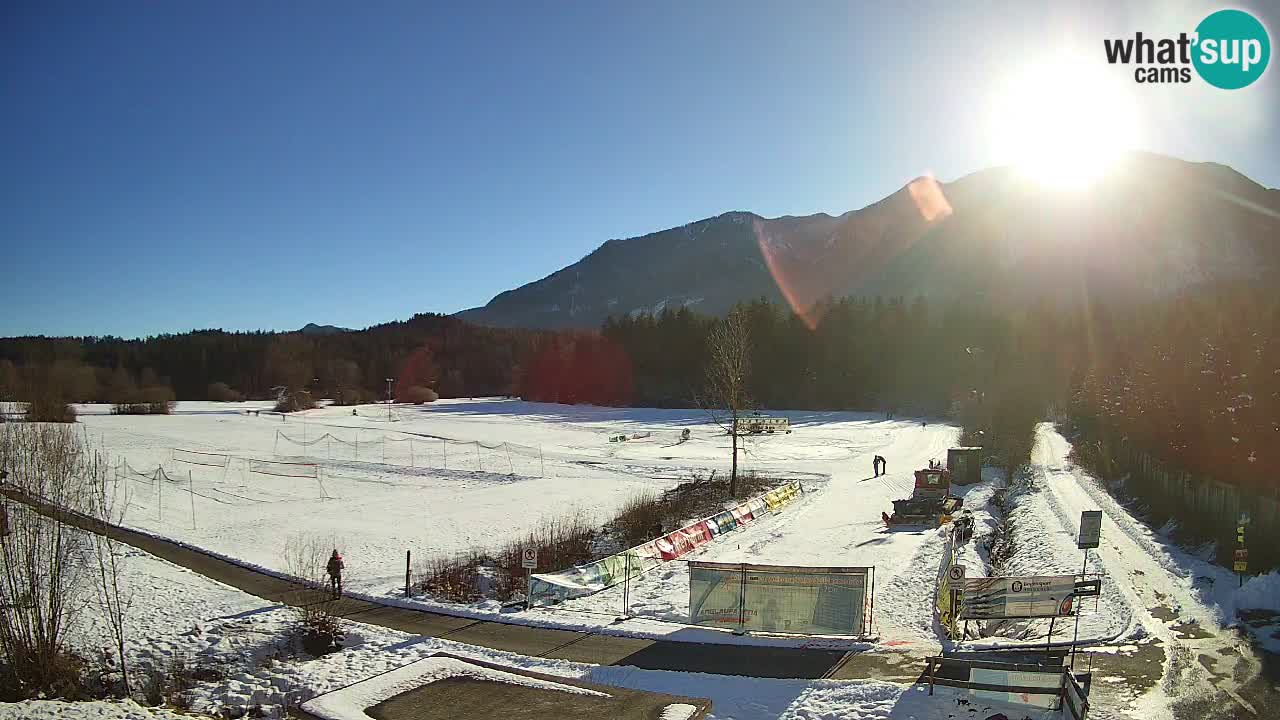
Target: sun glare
1062, 122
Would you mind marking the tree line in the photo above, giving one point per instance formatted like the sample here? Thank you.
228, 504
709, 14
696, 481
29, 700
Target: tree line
1193, 377
453, 357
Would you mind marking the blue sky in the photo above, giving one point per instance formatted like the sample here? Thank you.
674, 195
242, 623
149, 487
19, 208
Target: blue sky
165, 166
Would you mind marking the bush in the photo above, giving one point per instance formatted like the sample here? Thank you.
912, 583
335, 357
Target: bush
352, 396
222, 392
50, 409
455, 578
561, 543
319, 629
641, 518
418, 395
294, 400
46, 399
154, 400
321, 634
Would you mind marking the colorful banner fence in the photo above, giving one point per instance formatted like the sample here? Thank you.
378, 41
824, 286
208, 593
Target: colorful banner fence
591, 578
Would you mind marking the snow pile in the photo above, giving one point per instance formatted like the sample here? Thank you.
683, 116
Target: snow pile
678, 711
1261, 592
350, 702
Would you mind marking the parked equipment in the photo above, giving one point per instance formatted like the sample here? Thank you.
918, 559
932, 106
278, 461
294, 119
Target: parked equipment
931, 502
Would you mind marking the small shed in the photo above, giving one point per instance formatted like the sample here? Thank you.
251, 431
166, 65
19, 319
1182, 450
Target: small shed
965, 464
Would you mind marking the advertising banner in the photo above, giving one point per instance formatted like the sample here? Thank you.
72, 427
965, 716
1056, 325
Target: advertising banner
779, 598
1018, 597
715, 594
681, 541
1051, 682
590, 578
724, 522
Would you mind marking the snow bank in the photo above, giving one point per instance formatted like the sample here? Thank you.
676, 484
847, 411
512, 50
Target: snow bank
677, 711
96, 710
1261, 592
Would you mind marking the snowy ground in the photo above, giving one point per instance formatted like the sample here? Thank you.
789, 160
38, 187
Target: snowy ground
176, 613
460, 474
836, 523
1153, 590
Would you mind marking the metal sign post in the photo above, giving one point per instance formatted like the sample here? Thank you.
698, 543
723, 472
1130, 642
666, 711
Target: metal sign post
626, 589
1090, 537
956, 574
1241, 564
529, 561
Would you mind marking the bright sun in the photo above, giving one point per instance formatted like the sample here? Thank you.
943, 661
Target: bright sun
1062, 122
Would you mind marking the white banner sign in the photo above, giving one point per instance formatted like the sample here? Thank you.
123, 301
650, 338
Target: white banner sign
1018, 597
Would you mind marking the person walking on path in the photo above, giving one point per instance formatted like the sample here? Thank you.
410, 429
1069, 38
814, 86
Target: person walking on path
334, 568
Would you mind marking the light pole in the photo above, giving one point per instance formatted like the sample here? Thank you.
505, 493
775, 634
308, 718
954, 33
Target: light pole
389, 381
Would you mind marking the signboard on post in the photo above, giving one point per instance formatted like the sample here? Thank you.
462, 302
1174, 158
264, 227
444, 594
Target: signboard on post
1089, 588
1018, 597
1090, 529
529, 558
956, 573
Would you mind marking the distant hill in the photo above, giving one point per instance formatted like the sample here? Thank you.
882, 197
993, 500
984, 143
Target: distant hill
314, 329
1154, 225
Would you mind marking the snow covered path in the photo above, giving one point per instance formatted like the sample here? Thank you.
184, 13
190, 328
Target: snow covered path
1178, 599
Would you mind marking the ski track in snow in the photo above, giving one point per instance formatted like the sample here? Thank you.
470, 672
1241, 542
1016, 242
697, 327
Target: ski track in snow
1153, 577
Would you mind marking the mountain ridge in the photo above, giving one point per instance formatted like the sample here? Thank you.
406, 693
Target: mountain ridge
1141, 228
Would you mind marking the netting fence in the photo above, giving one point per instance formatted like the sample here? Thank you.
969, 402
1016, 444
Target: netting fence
416, 452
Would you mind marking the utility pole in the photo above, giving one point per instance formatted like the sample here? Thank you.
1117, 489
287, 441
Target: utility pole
389, 381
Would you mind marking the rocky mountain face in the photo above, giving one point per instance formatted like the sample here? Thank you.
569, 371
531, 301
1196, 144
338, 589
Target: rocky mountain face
1152, 225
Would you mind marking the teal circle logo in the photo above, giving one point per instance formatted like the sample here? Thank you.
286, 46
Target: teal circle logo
1232, 49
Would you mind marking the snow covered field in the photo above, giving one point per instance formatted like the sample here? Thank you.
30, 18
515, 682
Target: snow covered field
560, 457
460, 474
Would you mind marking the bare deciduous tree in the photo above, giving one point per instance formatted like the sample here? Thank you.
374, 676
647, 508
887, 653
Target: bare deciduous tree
728, 366
44, 580
305, 558
114, 599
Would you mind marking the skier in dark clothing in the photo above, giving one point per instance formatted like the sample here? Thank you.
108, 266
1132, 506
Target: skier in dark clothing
334, 568
878, 464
